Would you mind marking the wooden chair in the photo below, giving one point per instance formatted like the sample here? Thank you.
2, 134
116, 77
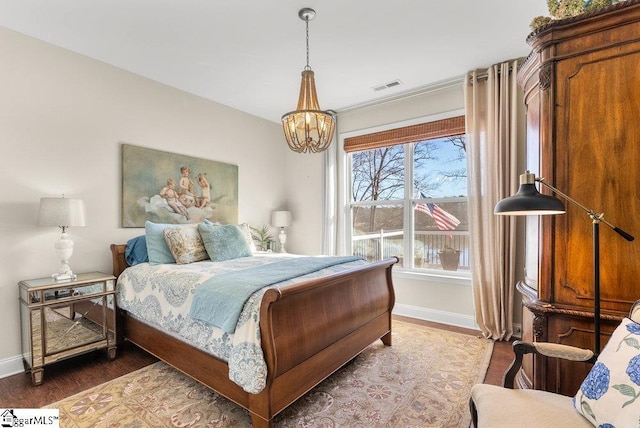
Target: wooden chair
497, 407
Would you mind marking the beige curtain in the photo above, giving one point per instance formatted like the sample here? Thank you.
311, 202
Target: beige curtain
491, 108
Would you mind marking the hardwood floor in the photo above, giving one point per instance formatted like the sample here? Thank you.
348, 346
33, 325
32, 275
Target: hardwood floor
500, 359
71, 376
78, 374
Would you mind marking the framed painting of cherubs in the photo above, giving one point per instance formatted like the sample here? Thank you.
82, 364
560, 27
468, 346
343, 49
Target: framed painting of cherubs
165, 187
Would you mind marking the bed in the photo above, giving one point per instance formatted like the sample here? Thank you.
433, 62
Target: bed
308, 330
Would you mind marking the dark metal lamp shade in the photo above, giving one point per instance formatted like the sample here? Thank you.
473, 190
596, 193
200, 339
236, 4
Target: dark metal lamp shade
528, 201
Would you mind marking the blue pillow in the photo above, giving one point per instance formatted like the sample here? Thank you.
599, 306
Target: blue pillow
136, 251
223, 242
156, 245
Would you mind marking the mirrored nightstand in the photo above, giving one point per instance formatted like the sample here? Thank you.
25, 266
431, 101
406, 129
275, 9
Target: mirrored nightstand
60, 320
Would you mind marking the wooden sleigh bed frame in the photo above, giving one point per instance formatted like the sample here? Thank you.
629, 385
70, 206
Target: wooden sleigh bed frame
308, 331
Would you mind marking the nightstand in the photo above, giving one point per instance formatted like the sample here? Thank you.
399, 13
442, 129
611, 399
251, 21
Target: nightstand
62, 319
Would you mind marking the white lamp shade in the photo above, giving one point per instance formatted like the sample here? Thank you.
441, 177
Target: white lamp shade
61, 212
281, 218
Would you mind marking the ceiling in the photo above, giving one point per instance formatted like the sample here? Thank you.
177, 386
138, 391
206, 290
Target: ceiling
248, 54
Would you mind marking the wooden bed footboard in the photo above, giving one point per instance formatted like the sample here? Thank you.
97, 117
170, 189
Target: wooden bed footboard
309, 330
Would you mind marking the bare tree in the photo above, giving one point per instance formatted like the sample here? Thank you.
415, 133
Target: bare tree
423, 152
460, 142
379, 174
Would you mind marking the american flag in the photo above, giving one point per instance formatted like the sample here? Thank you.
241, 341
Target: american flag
443, 219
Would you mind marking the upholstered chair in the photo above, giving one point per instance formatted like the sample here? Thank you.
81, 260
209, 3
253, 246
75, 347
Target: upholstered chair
606, 398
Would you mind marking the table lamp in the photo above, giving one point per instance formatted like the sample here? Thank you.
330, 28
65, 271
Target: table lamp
63, 213
281, 219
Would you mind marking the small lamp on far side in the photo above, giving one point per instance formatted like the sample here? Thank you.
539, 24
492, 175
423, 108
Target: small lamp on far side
281, 219
63, 213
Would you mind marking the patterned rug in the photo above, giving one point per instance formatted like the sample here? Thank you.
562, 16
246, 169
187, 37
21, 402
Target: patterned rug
423, 380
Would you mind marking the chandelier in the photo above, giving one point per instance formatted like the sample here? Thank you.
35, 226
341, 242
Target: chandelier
308, 129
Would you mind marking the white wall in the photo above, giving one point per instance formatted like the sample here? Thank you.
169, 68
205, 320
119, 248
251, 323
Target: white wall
442, 98
304, 177
63, 118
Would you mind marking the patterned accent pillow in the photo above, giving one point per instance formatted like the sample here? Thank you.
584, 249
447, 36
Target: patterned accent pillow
185, 244
223, 242
609, 395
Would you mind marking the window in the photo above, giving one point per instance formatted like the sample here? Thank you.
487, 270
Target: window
409, 195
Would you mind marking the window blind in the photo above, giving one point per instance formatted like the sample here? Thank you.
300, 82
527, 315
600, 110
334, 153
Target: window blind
407, 134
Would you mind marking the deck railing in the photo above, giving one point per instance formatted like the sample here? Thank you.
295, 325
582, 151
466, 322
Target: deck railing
427, 247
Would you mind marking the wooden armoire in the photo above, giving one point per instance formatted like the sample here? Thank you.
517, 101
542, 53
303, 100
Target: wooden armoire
581, 85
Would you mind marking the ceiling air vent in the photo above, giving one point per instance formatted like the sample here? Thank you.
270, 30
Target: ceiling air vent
388, 85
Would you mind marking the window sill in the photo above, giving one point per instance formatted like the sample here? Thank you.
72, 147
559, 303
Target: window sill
445, 277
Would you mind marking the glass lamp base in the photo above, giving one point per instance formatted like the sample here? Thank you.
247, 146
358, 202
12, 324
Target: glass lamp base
64, 250
282, 237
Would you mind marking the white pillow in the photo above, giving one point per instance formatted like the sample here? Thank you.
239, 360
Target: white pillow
610, 394
246, 233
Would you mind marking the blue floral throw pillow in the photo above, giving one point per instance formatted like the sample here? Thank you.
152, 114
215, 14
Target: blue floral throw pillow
610, 395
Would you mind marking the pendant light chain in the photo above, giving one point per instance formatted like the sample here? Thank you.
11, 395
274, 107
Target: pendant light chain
308, 67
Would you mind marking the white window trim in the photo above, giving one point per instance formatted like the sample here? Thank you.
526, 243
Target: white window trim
344, 201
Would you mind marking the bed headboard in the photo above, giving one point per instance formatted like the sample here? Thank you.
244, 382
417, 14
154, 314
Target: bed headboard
119, 262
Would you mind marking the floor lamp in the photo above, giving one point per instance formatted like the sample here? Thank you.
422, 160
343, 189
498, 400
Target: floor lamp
528, 201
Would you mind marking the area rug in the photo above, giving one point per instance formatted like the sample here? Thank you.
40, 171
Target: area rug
423, 380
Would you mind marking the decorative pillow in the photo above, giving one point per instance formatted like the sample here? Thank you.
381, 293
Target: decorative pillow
246, 233
136, 251
156, 245
609, 395
185, 244
224, 242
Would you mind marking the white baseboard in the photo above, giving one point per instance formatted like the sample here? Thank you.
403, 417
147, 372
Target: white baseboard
449, 318
11, 366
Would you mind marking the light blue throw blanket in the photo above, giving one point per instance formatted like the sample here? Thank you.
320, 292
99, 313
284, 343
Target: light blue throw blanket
219, 300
